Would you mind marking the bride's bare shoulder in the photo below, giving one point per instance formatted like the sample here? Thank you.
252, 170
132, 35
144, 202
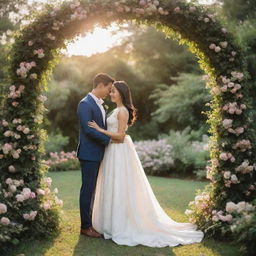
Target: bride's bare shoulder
123, 112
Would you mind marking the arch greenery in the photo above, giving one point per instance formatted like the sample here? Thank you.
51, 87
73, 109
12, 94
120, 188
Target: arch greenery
27, 203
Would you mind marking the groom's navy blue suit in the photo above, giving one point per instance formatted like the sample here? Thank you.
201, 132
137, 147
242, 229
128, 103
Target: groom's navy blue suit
90, 152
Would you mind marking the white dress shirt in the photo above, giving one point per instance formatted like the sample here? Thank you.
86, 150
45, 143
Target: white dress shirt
99, 102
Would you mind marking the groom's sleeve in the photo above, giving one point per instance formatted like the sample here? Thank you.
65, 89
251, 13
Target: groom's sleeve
85, 116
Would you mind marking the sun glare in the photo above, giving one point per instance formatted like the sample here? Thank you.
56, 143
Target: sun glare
99, 40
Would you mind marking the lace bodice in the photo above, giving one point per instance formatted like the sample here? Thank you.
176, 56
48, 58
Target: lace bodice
112, 120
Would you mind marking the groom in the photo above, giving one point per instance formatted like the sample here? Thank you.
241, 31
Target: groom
91, 146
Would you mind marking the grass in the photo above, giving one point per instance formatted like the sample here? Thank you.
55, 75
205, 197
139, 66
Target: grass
173, 195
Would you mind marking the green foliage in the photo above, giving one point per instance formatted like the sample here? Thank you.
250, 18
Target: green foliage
190, 153
69, 165
181, 105
55, 143
239, 10
244, 231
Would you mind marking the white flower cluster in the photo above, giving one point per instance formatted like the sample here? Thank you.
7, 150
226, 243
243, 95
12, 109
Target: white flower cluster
230, 178
12, 186
50, 36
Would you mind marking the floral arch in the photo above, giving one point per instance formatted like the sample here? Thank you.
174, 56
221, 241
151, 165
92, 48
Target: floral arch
26, 201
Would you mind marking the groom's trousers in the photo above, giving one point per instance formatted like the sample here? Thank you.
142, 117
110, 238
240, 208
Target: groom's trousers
90, 171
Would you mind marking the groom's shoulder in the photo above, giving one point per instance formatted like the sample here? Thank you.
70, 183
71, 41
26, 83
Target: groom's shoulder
86, 99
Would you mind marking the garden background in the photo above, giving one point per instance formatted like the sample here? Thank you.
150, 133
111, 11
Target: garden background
168, 88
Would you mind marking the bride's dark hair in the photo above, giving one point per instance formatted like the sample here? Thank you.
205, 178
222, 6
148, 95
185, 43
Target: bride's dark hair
126, 97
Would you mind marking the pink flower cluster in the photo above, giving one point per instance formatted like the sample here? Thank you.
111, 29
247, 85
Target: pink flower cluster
12, 186
30, 216
227, 123
15, 93
155, 155
237, 131
216, 216
61, 157
201, 202
239, 207
237, 75
25, 68
5, 221
230, 85
217, 48
39, 53
242, 145
245, 167
23, 128
8, 148
47, 181
233, 108
148, 7
25, 194
79, 13
225, 156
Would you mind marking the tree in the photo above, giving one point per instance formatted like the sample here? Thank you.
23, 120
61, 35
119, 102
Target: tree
181, 105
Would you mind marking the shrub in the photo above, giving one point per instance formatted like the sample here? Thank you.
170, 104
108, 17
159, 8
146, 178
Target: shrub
62, 161
156, 156
55, 143
190, 156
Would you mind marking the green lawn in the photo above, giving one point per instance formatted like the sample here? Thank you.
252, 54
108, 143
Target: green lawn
173, 195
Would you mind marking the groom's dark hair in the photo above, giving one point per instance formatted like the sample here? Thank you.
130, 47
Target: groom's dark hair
102, 78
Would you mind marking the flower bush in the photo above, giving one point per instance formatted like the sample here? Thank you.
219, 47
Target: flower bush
62, 161
34, 55
156, 156
190, 154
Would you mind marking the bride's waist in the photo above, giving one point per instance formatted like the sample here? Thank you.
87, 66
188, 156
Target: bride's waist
126, 139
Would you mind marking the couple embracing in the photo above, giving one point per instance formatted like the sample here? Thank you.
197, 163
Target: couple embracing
116, 199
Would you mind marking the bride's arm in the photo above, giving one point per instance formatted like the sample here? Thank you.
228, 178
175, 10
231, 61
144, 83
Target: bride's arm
122, 117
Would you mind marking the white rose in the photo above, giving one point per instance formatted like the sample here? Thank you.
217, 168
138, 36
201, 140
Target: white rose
19, 198
12, 188
217, 49
227, 174
3, 208
231, 207
241, 206
5, 221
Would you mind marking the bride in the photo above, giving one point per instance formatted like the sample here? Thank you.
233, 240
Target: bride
125, 208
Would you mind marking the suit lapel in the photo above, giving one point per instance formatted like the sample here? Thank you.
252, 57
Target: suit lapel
96, 107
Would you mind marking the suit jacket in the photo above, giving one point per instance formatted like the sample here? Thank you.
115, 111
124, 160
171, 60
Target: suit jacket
92, 143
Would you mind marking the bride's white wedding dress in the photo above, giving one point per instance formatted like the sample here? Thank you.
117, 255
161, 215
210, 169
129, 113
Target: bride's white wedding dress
125, 207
